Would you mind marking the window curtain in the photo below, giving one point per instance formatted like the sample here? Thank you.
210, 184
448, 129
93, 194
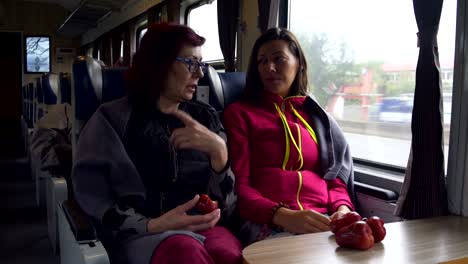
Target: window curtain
264, 13
164, 14
83, 50
274, 14
173, 11
228, 12
95, 48
127, 45
116, 39
106, 50
155, 14
424, 192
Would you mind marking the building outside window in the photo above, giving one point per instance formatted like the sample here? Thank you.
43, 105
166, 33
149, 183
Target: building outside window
362, 58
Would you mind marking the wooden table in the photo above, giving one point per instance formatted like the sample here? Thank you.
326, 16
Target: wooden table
431, 240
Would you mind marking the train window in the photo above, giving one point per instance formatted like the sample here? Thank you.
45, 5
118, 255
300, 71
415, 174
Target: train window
121, 48
37, 50
362, 60
89, 52
204, 20
140, 33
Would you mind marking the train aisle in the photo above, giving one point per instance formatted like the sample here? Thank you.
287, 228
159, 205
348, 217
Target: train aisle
23, 226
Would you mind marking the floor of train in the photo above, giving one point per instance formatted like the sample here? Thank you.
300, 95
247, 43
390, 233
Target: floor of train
23, 225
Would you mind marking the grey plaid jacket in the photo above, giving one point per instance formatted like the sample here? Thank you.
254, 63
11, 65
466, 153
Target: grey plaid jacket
109, 188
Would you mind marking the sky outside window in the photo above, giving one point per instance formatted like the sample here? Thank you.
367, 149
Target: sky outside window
204, 20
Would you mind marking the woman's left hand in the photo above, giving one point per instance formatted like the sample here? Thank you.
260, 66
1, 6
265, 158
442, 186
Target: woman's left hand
196, 136
343, 209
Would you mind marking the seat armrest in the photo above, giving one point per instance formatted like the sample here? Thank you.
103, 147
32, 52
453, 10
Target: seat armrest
80, 223
380, 193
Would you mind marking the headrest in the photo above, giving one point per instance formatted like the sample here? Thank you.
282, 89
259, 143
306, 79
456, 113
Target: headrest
39, 95
209, 89
65, 89
233, 84
30, 91
219, 89
93, 85
113, 84
50, 88
95, 75
54, 84
87, 86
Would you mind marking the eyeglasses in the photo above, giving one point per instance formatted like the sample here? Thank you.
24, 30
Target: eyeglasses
193, 65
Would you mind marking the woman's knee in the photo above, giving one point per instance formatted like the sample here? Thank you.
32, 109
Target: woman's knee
181, 249
223, 246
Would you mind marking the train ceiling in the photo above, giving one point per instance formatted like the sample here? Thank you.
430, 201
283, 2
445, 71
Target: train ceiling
84, 14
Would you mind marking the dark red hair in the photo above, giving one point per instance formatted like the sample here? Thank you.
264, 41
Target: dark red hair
158, 49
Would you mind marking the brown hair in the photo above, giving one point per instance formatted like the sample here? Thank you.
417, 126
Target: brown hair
158, 48
254, 86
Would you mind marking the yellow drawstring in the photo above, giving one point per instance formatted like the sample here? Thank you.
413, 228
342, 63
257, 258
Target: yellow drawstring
299, 138
288, 135
287, 151
299, 191
308, 127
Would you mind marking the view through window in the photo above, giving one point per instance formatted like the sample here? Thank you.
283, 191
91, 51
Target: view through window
204, 20
37, 54
362, 58
141, 34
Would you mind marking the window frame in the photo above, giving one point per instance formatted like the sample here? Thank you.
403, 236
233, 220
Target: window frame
25, 37
216, 64
386, 176
138, 31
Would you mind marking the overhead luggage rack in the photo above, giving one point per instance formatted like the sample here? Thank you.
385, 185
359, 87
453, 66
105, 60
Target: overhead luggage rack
87, 15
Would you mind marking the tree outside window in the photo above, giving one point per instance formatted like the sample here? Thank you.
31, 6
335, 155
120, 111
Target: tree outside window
37, 54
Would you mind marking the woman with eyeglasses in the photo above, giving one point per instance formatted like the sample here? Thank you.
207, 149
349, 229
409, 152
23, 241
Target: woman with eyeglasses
292, 164
142, 161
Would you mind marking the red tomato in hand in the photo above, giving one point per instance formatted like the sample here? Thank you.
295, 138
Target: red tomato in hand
357, 235
378, 229
344, 221
205, 205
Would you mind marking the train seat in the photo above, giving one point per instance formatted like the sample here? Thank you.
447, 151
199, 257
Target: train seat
30, 102
50, 115
87, 90
65, 88
219, 89
39, 100
50, 88
112, 83
93, 85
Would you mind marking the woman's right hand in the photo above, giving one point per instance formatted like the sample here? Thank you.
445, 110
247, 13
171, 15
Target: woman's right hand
178, 219
301, 222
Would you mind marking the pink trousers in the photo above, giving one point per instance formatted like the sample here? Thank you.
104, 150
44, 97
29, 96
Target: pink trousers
220, 247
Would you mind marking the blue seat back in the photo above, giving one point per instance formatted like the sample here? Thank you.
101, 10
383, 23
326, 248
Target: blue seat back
113, 84
219, 89
93, 84
87, 87
50, 88
39, 100
65, 88
24, 100
233, 84
30, 114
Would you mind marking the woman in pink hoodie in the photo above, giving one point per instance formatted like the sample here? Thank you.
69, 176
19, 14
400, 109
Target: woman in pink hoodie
293, 168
